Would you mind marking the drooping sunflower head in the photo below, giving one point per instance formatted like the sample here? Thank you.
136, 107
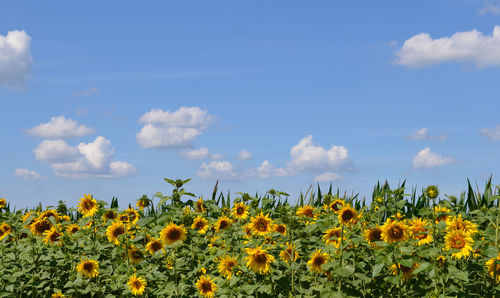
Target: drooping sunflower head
135, 255
457, 223
261, 224
222, 223
441, 213
206, 286
372, 235
227, 266
88, 267
461, 243
419, 230
493, 267
289, 252
432, 191
173, 233
306, 211
318, 258
336, 205
240, 211
142, 203
3, 203
88, 206
109, 215
199, 206
347, 215
154, 245
281, 228
258, 260
39, 226
53, 236
137, 285
72, 228
394, 231
200, 224
407, 271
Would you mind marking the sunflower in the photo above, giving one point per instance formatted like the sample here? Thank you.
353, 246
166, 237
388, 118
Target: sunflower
137, 285
173, 233
459, 224
3, 203
39, 226
258, 259
441, 213
280, 229
248, 230
109, 215
200, 224
64, 218
72, 228
124, 217
88, 267
114, 231
372, 235
26, 216
460, 241
440, 260
50, 213
206, 286
187, 210
393, 231
261, 224
199, 206
214, 242
432, 191
53, 236
493, 267
87, 206
336, 205
135, 255
142, 203
240, 211
58, 294
154, 245
407, 272
222, 223
226, 266
133, 215
333, 236
318, 258
288, 252
306, 211
347, 215
419, 230
5, 228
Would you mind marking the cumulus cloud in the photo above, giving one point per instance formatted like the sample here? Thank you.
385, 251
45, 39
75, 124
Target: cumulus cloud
327, 177
463, 47
267, 170
86, 92
172, 129
244, 155
492, 7
305, 156
491, 133
91, 160
221, 170
421, 134
201, 153
216, 156
27, 174
15, 59
426, 159
60, 128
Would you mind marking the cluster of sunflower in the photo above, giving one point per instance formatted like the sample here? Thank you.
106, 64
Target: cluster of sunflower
247, 250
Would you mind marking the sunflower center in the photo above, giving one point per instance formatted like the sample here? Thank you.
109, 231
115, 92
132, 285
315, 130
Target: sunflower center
118, 231
336, 206
396, 232
87, 205
110, 215
280, 229
136, 254
240, 210
347, 215
458, 242
261, 225
308, 213
230, 265
55, 236
223, 224
318, 261
137, 284
73, 230
174, 234
156, 245
88, 267
206, 286
405, 269
42, 226
260, 258
420, 233
199, 225
376, 235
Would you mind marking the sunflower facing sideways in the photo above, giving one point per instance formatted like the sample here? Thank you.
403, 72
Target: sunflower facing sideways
333, 236
347, 215
200, 224
199, 206
394, 231
135, 255
137, 285
173, 233
154, 245
261, 224
280, 229
306, 211
72, 228
318, 258
109, 215
288, 252
87, 206
206, 286
222, 223
114, 231
441, 213
258, 260
420, 230
458, 240
226, 266
372, 235
240, 211
407, 272
88, 267
53, 236
493, 267
336, 205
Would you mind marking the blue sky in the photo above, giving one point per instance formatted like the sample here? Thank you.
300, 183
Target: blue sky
109, 98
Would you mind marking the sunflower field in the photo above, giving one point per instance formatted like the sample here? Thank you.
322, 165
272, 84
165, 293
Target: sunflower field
320, 245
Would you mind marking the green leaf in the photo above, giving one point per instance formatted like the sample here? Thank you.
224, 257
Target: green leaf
377, 268
491, 252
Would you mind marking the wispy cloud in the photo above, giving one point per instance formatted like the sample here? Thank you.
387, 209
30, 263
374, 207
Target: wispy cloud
86, 92
28, 174
490, 7
422, 134
491, 133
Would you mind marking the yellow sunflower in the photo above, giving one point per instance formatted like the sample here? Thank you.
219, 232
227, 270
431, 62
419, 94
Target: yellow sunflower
306, 211
248, 230
394, 231
440, 260
154, 245
39, 226
280, 229
114, 231
222, 223
72, 228
135, 255
187, 210
460, 241
441, 213
5, 229
258, 259
336, 205
459, 224
288, 252
87, 206
347, 215
333, 236
206, 286
493, 267
132, 215
50, 213
432, 191
53, 236
318, 258
240, 211
227, 265
200, 224
109, 215
124, 217
137, 285
199, 206
407, 272
88, 267
173, 233
261, 224
142, 203
58, 294
372, 235
3, 203
419, 230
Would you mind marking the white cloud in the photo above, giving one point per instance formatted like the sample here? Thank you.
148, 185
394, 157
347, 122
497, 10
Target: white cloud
15, 59
426, 159
172, 129
86, 92
201, 153
28, 174
91, 160
60, 128
421, 134
492, 7
221, 170
463, 47
491, 133
327, 177
305, 156
216, 156
244, 155
267, 170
